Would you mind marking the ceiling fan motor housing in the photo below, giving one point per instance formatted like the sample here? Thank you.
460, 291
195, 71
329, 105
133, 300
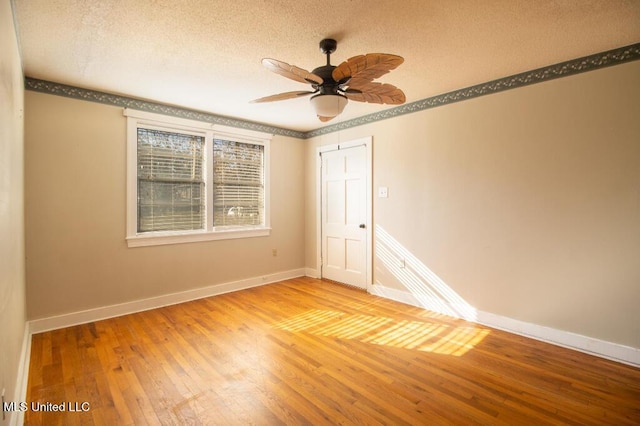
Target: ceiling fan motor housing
329, 86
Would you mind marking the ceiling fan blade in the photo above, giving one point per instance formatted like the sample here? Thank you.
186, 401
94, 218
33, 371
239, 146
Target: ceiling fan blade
283, 96
325, 119
291, 71
351, 90
377, 93
369, 66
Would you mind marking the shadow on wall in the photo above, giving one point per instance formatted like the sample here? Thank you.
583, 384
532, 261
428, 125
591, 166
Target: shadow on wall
429, 291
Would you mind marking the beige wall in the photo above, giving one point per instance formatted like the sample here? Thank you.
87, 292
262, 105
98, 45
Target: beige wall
12, 277
77, 257
526, 203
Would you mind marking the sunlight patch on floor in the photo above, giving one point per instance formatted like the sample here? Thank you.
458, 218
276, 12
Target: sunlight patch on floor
422, 336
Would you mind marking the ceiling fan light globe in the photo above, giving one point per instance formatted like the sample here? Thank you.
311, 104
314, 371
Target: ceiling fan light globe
328, 105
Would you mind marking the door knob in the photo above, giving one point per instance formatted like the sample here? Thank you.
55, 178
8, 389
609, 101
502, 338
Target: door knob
362, 225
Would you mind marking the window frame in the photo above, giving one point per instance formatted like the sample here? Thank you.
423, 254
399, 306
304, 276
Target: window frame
136, 119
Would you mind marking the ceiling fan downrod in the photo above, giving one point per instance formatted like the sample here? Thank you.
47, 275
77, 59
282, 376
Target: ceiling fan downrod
329, 85
328, 46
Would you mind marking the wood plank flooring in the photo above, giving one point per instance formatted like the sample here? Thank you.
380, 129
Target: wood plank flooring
305, 351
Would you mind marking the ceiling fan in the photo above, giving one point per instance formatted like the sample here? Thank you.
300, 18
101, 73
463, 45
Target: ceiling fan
333, 85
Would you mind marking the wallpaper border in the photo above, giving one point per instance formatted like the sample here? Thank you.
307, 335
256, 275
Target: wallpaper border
563, 69
60, 89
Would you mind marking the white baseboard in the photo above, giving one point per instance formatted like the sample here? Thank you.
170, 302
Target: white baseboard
16, 418
601, 348
311, 272
104, 312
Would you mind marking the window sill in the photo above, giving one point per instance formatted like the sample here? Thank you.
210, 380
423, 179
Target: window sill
164, 238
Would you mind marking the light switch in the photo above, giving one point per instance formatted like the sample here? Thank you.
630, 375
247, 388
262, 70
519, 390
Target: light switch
383, 192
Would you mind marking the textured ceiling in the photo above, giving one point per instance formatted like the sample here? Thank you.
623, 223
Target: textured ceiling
205, 54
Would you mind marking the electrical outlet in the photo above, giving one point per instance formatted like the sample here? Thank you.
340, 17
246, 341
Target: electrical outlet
274, 252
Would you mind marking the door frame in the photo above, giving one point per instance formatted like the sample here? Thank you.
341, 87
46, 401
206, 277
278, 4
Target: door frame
367, 142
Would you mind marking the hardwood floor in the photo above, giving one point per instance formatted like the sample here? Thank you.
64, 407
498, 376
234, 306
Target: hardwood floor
306, 351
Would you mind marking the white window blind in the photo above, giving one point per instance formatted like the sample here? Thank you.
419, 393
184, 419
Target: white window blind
191, 181
238, 183
171, 189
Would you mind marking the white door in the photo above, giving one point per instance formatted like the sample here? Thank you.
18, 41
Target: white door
344, 215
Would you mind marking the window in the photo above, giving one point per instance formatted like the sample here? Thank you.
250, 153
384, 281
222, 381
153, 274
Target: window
192, 181
171, 187
238, 183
